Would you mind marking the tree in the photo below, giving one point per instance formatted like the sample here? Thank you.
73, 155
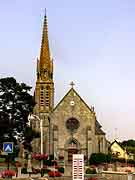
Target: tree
29, 134
15, 105
99, 158
130, 143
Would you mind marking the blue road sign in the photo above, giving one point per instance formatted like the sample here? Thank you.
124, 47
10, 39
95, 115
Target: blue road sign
8, 147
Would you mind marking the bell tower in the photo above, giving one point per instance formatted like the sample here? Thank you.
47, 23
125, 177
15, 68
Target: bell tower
44, 91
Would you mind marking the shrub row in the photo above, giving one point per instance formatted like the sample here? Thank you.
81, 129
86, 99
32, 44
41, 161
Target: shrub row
99, 158
44, 170
90, 171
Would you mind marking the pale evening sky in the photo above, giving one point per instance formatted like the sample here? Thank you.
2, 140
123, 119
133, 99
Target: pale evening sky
92, 43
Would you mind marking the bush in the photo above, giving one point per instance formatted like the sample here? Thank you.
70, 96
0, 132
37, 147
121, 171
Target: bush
92, 178
2, 160
122, 160
39, 156
51, 157
131, 161
98, 158
8, 173
54, 163
61, 169
90, 171
54, 174
36, 171
46, 171
24, 170
50, 162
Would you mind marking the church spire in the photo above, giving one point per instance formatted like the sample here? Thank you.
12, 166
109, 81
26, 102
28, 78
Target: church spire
44, 94
45, 52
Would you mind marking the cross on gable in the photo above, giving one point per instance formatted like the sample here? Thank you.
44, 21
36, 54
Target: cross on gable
72, 84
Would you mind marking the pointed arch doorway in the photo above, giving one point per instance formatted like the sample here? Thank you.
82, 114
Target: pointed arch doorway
72, 148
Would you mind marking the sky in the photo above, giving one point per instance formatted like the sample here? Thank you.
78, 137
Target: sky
92, 43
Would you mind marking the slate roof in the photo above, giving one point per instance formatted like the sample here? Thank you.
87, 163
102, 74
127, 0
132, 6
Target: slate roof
98, 130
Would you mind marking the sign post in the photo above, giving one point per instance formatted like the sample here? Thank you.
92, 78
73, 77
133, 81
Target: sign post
8, 148
78, 167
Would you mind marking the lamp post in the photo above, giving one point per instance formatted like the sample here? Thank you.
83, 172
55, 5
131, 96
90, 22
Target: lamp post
49, 135
31, 117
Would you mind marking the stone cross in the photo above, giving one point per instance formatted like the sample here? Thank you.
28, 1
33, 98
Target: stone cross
72, 84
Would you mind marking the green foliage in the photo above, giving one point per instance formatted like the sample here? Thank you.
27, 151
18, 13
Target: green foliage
123, 160
131, 161
116, 159
61, 169
51, 157
130, 149
47, 162
11, 156
108, 158
45, 171
15, 105
129, 145
29, 134
130, 142
50, 161
90, 171
24, 170
98, 158
2, 160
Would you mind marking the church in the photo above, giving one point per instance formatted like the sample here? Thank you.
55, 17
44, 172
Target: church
70, 127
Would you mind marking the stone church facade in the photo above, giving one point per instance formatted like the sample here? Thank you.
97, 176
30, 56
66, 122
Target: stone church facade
71, 126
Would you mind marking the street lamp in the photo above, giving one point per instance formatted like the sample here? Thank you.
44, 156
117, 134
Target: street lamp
31, 117
49, 136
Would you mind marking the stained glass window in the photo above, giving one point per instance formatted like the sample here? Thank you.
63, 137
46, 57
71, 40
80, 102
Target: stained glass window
72, 124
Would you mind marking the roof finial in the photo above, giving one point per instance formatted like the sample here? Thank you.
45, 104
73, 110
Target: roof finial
45, 11
72, 84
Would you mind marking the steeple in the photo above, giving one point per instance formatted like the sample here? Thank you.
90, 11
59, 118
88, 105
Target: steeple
45, 52
44, 92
